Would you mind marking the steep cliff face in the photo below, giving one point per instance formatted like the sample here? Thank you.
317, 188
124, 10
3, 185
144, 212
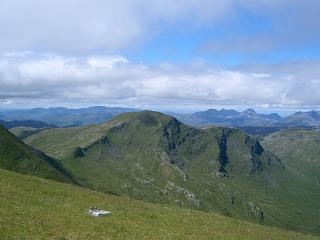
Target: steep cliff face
223, 156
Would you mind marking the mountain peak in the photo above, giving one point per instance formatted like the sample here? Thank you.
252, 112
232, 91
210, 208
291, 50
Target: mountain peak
314, 115
250, 111
144, 118
228, 112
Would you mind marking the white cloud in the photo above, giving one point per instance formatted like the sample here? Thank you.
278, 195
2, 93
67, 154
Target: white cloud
114, 78
87, 26
108, 62
261, 75
90, 26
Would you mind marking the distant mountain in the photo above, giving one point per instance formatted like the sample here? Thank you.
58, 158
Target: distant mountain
63, 117
27, 123
154, 157
251, 121
251, 113
311, 118
18, 157
226, 117
24, 132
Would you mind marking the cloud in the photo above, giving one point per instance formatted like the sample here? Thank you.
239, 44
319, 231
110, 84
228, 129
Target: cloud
274, 26
86, 26
41, 77
105, 26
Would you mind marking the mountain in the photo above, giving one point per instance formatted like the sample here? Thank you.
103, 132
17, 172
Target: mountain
17, 156
63, 117
251, 113
24, 132
26, 123
300, 151
62, 211
261, 131
215, 114
154, 157
311, 118
229, 118
250, 121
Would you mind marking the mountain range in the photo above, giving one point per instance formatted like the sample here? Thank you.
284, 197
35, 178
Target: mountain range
26, 123
249, 117
154, 157
64, 117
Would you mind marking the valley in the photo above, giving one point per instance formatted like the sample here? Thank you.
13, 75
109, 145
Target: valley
159, 120
153, 157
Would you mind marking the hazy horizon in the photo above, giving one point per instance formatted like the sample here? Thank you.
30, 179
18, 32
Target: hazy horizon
178, 110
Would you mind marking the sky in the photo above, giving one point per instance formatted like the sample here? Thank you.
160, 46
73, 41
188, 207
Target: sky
173, 55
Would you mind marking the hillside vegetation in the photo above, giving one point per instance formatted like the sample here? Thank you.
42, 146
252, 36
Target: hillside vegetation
153, 157
24, 132
17, 156
300, 151
35, 208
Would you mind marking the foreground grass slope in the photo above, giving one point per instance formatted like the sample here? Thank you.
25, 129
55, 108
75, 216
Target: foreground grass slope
16, 156
35, 208
153, 157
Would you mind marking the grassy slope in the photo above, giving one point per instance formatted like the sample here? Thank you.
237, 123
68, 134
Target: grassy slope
300, 150
60, 142
35, 208
17, 156
24, 132
133, 155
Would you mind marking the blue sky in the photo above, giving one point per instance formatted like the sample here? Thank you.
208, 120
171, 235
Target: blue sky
193, 54
178, 43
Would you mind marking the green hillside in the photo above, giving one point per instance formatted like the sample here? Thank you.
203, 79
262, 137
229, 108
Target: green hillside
17, 156
24, 132
300, 151
34, 208
153, 157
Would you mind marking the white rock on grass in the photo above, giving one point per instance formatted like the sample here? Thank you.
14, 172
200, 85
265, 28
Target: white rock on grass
94, 212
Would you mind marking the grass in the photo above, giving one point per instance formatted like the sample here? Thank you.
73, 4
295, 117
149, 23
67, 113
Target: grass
152, 157
16, 156
300, 151
35, 208
24, 132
